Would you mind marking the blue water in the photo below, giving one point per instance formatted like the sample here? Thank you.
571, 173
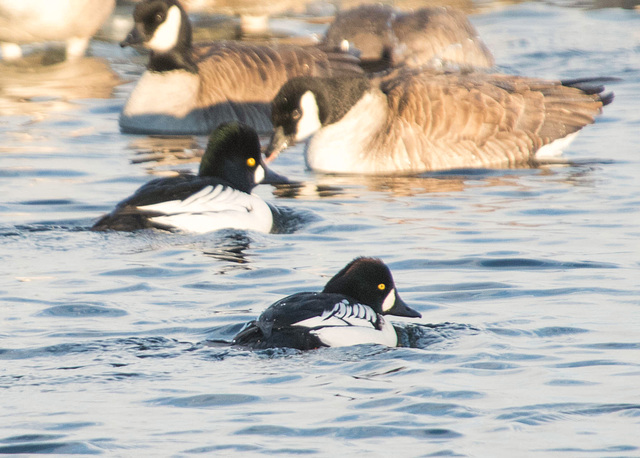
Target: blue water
528, 281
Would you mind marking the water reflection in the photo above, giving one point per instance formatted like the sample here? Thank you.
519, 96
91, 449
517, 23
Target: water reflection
231, 247
43, 83
157, 151
322, 186
329, 186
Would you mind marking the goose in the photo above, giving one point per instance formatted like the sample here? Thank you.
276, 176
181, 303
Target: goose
189, 89
413, 122
350, 310
36, 21
386, 37
219, 197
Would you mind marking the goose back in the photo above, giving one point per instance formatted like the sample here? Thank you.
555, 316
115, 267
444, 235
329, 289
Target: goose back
449, 121
426, 37
428, 121
234, 82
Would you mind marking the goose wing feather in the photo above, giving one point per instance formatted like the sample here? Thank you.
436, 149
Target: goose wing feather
444, 121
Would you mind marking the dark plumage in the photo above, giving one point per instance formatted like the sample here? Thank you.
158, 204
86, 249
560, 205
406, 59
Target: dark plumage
231, 167
348, 311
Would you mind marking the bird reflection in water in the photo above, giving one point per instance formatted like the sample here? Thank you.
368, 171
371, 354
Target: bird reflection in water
230, 246
44, 83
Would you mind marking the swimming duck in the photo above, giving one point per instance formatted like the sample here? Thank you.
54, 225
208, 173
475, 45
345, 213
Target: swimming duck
218, 197
35, 21
387, 37
191, 89
350, 310
412, 122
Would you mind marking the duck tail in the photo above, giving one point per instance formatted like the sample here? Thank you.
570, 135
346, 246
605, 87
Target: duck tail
249, 336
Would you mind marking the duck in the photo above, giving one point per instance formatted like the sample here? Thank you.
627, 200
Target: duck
386, 37
411, 122
190, 89
35, 21
218, 197
351, 310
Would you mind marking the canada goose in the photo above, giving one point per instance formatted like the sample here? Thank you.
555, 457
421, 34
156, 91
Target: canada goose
387, 37
35, 21
416, 122
350, 310
192, 89
218, 197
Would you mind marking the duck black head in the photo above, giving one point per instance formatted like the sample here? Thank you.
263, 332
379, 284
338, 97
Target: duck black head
369, 281
233, 154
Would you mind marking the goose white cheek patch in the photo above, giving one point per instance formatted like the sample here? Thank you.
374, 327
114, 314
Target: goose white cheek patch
309, 122
389, 301
165, 37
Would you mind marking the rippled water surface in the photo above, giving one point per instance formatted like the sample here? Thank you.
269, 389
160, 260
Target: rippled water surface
528, 282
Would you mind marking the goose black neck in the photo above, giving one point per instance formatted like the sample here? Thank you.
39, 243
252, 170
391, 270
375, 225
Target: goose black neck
336, 95
176, 59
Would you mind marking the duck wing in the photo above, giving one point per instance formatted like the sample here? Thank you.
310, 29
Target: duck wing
191, 203
297, 321
316, 310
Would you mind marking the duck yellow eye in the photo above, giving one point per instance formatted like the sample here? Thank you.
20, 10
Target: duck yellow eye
251, 162
382, 286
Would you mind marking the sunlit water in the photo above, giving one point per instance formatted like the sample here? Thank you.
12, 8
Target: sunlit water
528, 282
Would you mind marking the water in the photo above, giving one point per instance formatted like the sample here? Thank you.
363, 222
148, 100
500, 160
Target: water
528, 282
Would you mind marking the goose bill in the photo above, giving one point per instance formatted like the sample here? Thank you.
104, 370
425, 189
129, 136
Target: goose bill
133, 38
279, 141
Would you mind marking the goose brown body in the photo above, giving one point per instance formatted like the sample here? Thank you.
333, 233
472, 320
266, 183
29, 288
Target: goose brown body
428, 121
239, 80
477, 120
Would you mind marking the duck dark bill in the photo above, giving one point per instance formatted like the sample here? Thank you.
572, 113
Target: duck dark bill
400, 308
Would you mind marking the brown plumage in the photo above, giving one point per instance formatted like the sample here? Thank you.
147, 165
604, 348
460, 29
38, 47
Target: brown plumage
191, 89
412, 122
239, 73
390, 38
478, 120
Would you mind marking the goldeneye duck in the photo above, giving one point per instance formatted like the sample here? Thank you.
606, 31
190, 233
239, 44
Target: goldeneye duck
218, 197
350, 310
387, 37
191, 89
411, 121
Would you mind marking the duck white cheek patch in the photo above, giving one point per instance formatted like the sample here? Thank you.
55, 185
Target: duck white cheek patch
166, 36
389, 301
309, 123
259, 174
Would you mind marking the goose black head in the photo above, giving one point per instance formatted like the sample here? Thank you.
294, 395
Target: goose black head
163, 27
306, 104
